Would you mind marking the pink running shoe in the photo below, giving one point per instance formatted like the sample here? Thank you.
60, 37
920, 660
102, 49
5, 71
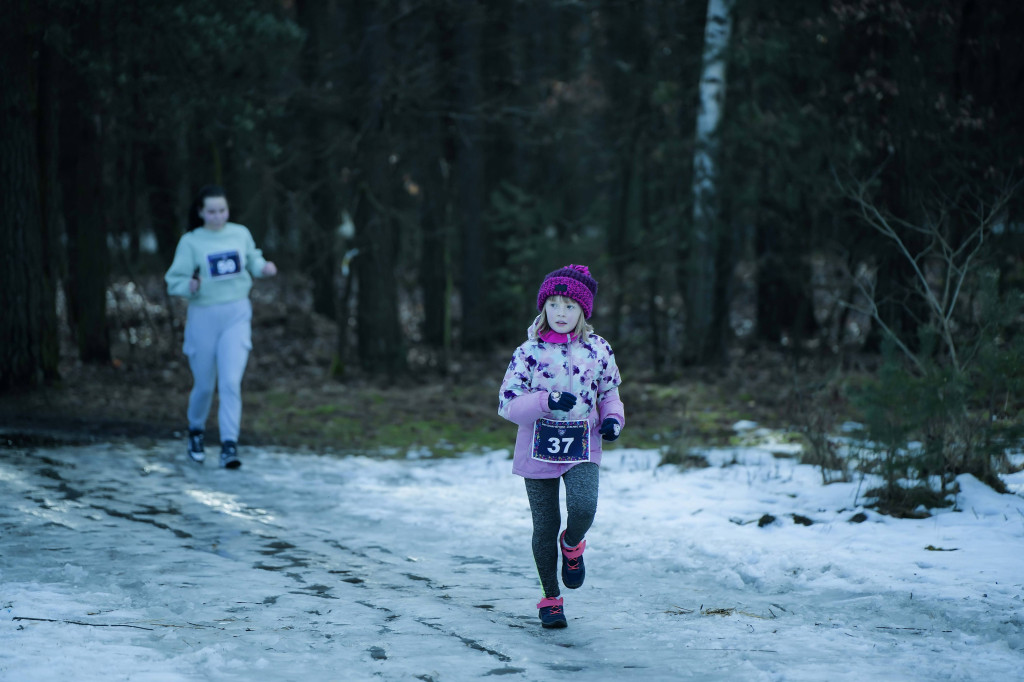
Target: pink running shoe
573, 571
551, 614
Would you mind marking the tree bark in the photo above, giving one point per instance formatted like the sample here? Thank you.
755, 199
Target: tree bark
28, 331
703, 341
470, 177
653, 269
83, 189
379, 335
623, 121
49, 191
381, 347
315, 16
437, 157
435, 271
161, 169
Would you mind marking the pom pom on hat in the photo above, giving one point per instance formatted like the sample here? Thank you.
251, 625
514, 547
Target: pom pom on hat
573, 281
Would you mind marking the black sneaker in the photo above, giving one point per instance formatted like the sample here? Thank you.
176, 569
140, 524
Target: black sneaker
551, 614
195, 449
229, 455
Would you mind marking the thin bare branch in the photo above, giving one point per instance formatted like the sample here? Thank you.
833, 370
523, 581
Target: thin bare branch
872, 312
78, 622
957, 259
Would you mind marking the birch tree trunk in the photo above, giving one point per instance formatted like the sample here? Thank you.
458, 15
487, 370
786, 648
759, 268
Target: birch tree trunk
702, 338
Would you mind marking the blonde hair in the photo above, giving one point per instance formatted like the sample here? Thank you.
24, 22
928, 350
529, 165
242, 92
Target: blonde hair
583, 329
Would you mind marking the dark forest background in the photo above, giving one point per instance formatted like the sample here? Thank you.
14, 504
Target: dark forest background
443, 155
422, 163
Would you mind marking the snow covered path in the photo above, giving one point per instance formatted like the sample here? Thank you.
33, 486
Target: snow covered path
120, 563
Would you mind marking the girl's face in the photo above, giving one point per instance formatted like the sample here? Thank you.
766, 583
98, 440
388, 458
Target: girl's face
214, 212
563, 314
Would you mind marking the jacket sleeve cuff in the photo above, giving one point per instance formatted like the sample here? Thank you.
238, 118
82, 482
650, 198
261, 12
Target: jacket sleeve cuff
528, 408
616, 416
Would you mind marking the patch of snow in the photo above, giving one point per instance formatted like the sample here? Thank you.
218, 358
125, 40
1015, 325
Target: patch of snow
124, 563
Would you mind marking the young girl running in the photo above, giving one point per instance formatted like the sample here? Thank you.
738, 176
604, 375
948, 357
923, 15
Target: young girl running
213, 268
561, 388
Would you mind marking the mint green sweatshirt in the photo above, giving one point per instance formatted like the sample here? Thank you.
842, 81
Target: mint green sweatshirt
227, 260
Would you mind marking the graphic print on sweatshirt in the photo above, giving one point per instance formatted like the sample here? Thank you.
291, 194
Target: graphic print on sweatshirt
225, 264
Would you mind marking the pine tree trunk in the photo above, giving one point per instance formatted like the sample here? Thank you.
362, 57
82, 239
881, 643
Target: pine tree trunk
437, 157
319, 129
469, 177
161, 170
81, 155
381, 347
379, 335
49, 191
653, 267
435, 261
28, 324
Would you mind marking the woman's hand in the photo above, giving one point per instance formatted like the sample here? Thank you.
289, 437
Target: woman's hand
269, 269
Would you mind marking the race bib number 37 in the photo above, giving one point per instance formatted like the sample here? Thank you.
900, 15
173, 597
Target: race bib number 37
561, 441
225, 264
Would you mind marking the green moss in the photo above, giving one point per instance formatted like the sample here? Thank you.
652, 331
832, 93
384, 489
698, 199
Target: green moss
683, 458
442, 418
373, 429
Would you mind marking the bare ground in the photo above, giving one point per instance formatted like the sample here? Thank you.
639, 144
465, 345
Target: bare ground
292, 400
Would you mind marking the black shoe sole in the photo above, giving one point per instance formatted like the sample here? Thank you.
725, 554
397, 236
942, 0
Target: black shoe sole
234, 464
558, 624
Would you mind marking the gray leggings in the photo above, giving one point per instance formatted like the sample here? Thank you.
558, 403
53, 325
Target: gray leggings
580, 505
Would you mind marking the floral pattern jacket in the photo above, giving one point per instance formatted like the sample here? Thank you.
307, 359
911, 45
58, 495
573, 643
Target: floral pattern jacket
585, 368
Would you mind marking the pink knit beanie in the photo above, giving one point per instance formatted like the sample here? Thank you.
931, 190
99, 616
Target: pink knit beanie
573, 281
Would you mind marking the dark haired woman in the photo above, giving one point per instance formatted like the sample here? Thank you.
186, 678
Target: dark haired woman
213, 269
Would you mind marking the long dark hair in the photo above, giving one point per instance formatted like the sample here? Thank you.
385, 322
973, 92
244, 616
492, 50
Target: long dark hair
205, 193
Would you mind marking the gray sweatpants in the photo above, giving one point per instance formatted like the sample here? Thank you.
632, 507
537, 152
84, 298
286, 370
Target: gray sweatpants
218, 339
581, 483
